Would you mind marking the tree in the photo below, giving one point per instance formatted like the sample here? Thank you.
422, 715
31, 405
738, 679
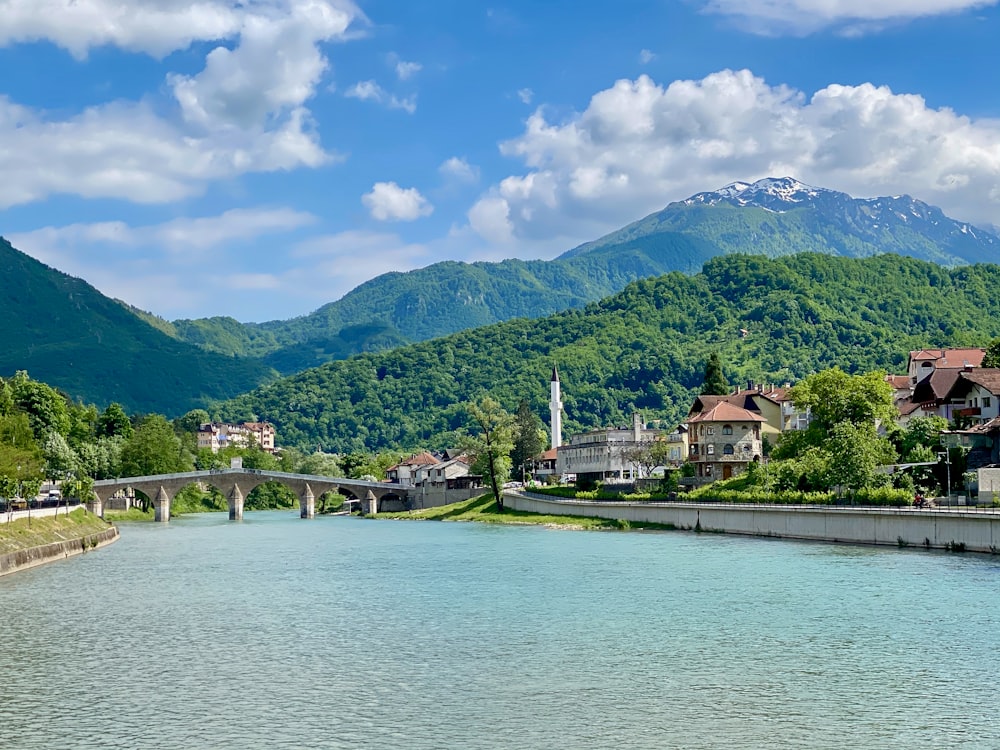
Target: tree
46, 408
114, 421
492, 444
647, 455
992, 356
714, 383
154, 449
833, 396
527, 440
60, 459
856, 451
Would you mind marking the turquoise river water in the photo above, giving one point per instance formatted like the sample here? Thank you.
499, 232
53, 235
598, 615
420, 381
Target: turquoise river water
345, 633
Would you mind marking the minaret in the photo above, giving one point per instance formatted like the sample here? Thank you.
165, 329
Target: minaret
555, 410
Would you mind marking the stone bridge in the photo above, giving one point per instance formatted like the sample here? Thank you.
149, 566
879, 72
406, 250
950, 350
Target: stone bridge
236, 484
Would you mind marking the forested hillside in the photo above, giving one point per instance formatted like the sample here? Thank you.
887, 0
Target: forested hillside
772, 217
66, 333
644, 348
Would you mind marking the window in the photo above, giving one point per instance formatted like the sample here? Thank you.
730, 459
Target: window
694, 450
710, 449
711, 430
986, 401
728, 450
746, 447
727, 429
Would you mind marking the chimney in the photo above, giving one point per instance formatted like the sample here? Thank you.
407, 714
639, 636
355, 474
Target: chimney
637, 427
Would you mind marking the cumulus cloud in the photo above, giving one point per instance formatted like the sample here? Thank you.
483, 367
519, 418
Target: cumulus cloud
387, 201
244, 112
849, 16
639, 145
459, 169
370, 91
128, 151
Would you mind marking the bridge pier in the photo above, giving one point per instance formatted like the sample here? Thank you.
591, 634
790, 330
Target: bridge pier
369, 506
96, 505
236, 503
161, 506
307, 503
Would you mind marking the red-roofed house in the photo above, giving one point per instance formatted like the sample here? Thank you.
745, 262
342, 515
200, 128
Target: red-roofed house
723, 440
925, 361
412, 470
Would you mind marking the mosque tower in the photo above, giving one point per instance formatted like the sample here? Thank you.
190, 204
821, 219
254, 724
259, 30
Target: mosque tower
555, 410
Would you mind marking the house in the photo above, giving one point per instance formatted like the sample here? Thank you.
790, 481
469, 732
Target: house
723, 440
923, 363
219, 435
451, 474
970, 396
413, 470
545, 464
773, 404
602, 454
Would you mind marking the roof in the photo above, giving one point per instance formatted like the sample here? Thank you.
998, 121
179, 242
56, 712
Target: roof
899, 382
936, 386
950, 357
417, 459
907, 407
549, 455
743, 398
985, 427
987, 377
726, 412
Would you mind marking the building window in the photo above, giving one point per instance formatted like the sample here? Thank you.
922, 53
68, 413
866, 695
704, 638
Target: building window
986, 401
710, 449
727, 429
746, 447
728, 450
694, 450
711, 430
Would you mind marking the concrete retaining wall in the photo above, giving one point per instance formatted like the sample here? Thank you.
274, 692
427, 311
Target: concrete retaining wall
940, 529
23, 559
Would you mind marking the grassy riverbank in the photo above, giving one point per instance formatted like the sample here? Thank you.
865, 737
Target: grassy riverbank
20, 535
484, 510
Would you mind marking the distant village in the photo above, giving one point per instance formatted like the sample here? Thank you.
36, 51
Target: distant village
721, 435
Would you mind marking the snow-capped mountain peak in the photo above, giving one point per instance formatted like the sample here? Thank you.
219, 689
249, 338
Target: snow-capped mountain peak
772, 193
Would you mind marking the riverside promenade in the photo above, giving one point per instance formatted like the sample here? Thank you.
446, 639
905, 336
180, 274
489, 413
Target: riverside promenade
937, 528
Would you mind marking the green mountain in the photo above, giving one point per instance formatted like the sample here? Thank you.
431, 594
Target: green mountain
67, 334
643, 348
773, 217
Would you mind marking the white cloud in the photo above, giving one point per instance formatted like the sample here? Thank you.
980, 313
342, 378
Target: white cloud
275, 67
387, 201
460, 169
244, 112
639, 145
406, 70
646, 56
525, 95
371, 91
126, 151
849, 16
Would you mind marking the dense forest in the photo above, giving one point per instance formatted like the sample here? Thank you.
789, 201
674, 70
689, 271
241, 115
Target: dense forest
67, 334
771, 320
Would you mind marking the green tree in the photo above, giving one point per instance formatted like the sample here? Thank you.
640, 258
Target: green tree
992, 356
832, 396
154, 449
528, 441
114, 422
714, 383
856, 451
490, 445
46, 408
60, 458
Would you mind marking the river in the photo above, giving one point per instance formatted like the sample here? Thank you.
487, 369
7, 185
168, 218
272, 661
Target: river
338, 632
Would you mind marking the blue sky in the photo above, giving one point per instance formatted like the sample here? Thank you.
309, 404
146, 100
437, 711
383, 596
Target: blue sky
259, 158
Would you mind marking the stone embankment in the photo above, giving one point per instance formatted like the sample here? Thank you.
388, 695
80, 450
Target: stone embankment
32, 556
940, 528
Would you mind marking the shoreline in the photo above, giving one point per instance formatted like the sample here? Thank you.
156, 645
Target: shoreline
67, 536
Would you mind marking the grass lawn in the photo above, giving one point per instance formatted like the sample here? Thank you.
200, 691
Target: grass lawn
132, 514
484, 510
19, 535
